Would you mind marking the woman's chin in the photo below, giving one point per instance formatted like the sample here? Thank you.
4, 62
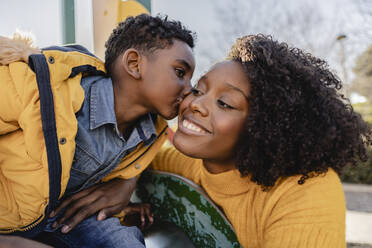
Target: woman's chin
179, 143
184, 146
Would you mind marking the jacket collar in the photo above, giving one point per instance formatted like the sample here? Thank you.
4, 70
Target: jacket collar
102, 104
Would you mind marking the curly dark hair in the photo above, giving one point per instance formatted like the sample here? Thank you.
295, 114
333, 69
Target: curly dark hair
298, 124
145, 33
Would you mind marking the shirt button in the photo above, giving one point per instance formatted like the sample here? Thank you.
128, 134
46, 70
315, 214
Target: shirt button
137, 166
62, 141
51, 60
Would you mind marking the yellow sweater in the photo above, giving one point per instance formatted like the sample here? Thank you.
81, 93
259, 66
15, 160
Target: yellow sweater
288, 215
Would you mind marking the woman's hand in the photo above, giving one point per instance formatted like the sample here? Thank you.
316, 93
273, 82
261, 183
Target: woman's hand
143, 210
107, 198
18, 48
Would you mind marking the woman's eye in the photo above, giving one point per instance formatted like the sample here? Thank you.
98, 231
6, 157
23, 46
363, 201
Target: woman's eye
180, 72
222, 104
195, 92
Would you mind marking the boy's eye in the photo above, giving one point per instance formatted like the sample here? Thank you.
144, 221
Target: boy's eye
180, 72
224, 105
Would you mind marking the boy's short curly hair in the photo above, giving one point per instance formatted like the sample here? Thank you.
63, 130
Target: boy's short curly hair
298, 124
145, 33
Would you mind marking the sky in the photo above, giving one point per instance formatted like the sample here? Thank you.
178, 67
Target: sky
203, 18
198, 16
43, 20
213, 19
40, 18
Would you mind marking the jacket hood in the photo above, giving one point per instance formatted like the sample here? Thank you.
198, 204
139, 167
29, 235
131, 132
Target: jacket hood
17, 48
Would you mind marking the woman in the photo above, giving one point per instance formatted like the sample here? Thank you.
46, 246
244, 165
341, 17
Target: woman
265, 134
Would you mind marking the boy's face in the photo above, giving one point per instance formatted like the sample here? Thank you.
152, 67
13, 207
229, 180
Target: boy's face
166, 75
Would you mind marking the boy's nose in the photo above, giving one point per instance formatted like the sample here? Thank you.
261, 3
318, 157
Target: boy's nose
186, 90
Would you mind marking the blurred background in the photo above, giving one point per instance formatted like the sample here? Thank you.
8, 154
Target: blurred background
339, 31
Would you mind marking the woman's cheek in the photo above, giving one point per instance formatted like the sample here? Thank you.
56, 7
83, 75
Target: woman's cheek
230, 125
185, 103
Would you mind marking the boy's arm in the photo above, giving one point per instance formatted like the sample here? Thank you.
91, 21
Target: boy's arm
108, 199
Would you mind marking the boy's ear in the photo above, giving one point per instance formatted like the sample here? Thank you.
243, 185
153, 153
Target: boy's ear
131, 61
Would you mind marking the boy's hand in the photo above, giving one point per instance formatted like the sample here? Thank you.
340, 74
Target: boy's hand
144, 211
107, 198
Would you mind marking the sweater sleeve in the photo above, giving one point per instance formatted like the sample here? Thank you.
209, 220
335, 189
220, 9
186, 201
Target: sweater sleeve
171, 160
308, 215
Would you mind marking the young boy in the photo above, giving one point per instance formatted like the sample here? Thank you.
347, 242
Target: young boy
73, 126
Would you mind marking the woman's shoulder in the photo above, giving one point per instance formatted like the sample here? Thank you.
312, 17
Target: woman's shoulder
317, 190
297, 211
169, 152
171, 160
329, 179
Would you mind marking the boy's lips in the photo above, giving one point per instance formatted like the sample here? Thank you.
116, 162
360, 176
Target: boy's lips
177, 103
190, 126
175, 106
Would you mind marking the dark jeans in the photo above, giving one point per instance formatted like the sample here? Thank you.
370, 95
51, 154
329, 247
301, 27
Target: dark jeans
92, 233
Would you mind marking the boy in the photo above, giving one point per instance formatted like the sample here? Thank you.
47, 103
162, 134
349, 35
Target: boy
92, 129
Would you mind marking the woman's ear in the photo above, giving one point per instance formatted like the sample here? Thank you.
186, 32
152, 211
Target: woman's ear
131, 60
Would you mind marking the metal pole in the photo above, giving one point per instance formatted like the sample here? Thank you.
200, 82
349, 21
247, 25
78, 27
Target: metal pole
68, 21
146, 4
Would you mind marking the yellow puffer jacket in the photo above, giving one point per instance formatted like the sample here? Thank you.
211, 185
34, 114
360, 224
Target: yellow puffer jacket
38, 102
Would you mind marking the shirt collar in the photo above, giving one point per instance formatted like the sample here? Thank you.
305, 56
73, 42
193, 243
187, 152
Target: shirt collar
144, 131
102, 111
102, 103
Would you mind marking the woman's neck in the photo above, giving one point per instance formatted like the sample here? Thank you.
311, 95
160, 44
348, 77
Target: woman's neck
216, 167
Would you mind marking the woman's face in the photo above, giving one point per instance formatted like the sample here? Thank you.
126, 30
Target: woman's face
212, 117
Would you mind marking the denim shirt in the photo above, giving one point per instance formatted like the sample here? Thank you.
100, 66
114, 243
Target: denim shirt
99, 145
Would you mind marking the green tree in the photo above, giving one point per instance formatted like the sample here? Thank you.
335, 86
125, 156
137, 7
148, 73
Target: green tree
365, 109
362, 173
362, 84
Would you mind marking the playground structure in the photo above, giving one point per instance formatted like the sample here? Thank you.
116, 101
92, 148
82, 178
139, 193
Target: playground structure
177, 200
90, 22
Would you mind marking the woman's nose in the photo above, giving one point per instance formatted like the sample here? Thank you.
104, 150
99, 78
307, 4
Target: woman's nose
198, 105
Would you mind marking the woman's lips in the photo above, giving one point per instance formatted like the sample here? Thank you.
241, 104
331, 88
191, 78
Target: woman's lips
191, 127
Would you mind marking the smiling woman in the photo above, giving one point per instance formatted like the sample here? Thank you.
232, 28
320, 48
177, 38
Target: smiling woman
265, 133
213, 115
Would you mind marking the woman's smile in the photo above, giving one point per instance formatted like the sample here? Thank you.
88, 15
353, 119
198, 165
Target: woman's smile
191, 127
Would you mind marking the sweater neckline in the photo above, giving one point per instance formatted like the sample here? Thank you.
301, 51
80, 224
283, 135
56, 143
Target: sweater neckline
229, 183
